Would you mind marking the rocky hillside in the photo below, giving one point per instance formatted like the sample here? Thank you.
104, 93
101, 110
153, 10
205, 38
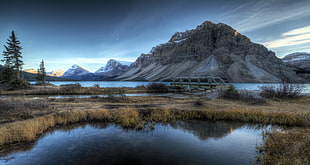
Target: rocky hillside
210, 50
300, 60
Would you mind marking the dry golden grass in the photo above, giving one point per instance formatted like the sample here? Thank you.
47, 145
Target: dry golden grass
29, 130
287, 147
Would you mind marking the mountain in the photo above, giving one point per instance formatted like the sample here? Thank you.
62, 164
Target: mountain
112, 68
75, 72
299, 60
31, 71
56, 73
32, 76
210, 50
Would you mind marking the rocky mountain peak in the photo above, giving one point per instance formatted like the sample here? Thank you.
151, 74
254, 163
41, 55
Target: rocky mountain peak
209, 50
112, 68
75, 71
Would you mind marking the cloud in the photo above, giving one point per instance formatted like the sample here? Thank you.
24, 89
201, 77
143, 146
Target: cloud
293, 37
298, 31
259, 14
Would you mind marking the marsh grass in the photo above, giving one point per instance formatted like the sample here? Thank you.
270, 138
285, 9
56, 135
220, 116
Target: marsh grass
290, 146
17, 109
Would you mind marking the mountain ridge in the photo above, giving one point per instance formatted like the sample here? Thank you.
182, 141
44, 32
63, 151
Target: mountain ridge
210, 50
298, 60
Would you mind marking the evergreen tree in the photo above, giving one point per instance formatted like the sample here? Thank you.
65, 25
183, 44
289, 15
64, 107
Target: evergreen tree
7, 73
12, 58
41, 73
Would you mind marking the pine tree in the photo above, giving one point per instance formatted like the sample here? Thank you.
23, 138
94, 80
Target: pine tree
7, 73
13, 58
41, 73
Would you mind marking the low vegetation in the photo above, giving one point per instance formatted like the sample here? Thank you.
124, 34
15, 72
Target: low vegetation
245, 96
289, 146
157, 88
282, 91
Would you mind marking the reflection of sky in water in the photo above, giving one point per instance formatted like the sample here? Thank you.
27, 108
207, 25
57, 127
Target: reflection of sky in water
102, 144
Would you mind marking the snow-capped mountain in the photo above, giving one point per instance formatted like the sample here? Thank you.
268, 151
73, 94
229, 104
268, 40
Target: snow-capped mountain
113, 67
31, 71
75, 72
299, 60
56, 73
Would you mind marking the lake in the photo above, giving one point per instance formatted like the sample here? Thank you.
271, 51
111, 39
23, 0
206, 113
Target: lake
240, 86
180, 143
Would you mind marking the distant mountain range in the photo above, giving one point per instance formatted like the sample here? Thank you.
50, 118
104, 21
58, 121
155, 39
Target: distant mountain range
112, 69
54, 73
31, 74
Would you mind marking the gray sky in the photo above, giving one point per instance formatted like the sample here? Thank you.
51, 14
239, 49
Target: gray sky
89, 32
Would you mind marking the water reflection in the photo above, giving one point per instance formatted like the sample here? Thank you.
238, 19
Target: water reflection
190, 142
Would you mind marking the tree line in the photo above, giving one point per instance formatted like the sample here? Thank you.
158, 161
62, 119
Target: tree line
13, 64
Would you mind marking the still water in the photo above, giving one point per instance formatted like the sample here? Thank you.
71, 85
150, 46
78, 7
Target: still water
190, 142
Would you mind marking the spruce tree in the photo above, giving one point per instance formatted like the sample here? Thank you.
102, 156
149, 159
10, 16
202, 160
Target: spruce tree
13, 57
41, 73
7, 73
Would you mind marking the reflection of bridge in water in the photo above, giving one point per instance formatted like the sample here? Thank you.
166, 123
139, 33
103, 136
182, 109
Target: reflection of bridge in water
205, 83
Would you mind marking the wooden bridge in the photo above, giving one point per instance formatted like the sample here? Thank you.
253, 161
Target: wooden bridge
205, 83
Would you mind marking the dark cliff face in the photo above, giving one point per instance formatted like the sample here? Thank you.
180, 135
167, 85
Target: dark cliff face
210, 50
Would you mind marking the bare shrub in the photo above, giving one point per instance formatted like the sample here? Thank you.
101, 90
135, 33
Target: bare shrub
157, 88
245, 96
283, 91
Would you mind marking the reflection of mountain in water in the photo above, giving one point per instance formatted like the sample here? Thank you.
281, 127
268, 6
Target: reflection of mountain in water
207, 129
201, 129
67, 128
